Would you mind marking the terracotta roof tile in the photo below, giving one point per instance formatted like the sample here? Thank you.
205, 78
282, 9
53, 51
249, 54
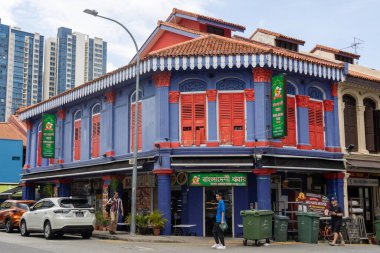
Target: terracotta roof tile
363, 76
278, 35
292, 54
334, 50
10, 132
196, 15
209, 45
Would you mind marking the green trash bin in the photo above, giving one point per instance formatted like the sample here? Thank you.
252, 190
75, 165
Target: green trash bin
308, 227
257, 225
377, 229
281, 228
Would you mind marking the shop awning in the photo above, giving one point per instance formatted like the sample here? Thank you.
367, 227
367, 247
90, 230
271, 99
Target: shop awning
301, 163
363, 166
81, 171
11, 191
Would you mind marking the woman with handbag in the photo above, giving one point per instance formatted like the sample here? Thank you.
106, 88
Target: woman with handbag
220, 225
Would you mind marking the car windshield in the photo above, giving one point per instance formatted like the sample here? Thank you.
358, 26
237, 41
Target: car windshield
74, 203
23, 206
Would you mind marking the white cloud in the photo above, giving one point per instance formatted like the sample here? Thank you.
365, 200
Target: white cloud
140, 16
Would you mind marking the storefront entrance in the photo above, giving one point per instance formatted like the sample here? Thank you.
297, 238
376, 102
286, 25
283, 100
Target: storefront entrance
211, 204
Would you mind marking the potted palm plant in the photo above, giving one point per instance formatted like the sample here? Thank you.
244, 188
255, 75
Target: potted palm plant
157, 221
142, 223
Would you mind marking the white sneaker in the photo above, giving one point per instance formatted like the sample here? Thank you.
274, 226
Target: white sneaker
221, 247
215, 246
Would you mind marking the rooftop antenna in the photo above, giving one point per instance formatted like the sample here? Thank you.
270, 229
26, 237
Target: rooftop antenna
356, 45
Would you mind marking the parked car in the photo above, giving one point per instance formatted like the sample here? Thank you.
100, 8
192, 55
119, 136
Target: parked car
57, 216
11, 212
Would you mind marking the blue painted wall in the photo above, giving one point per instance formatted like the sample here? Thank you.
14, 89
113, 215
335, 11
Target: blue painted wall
161, 120
11, 158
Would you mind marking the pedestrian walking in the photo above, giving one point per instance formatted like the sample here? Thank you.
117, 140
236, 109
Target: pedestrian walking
220, 219
336, 213
116, 208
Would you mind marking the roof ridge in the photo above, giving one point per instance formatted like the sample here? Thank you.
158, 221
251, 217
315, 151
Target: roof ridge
335, 50
197, 15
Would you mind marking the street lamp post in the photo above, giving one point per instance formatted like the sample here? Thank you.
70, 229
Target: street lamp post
135, 137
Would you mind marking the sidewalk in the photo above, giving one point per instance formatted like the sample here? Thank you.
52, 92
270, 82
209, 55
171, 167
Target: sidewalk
124, 236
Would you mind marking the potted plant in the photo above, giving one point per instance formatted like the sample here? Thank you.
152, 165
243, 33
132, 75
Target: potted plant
105, 224
157, 221
142, 223
99, 219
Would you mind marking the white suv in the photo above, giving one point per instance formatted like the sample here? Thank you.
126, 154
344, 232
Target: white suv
57, 216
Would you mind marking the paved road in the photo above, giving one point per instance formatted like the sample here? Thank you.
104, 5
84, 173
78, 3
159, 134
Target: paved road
14, 243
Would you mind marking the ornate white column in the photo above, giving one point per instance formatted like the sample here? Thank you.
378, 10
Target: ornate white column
361, 129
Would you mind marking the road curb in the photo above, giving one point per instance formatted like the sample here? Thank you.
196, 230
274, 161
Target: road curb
126, 237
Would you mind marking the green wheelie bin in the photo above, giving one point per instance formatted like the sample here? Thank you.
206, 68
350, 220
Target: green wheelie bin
257, 225
308, 227
377, 229
281, 228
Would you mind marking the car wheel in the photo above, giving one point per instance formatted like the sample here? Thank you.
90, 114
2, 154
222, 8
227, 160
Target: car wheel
48, 234
86, 235
8, 226
23, 229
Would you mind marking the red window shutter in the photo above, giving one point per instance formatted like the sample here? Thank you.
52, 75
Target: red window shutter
312, 130
319, 126
232, 118
95, 136
51, 160
316, 126
200, 118
225, 118
291, 138
187, 133
238, 119
139, 127
77, 139
39, 149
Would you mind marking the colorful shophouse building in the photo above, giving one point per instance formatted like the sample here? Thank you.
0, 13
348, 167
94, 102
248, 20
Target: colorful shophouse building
204, 116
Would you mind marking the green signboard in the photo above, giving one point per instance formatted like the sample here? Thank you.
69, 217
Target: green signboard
48, 136
279, 106
218, 179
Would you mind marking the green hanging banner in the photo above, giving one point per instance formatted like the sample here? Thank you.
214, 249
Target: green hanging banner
48, 136
279, 106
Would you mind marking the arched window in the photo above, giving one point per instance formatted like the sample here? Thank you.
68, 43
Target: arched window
39, 145
77, 134
95, 131
139, 121
350, 121
193, 85
316, 121
369, 124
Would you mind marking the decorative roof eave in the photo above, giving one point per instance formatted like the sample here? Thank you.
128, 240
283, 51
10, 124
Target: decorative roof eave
185, 63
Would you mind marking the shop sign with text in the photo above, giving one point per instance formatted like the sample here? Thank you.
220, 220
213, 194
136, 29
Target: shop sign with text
218, 179
279, 106
48, 136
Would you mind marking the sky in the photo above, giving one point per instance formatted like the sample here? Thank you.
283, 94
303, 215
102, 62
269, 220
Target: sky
333, 23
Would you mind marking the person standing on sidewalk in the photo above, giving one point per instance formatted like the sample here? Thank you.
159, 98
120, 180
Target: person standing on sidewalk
116, 207
220, 219
336, 213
